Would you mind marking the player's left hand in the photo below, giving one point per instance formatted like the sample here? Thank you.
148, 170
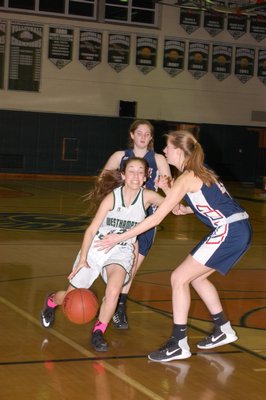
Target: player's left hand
81, 264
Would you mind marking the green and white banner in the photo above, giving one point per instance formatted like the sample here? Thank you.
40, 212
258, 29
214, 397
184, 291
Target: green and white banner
190, 19
25, 57
2, 51
198, 59
236, 23
221, 61
262, 65
60, 45
90, 48
118, 51
173, 57
146, 53
244, 63
214, 22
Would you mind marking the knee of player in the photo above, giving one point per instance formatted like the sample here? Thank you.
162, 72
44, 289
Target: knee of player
112, 293
178, 279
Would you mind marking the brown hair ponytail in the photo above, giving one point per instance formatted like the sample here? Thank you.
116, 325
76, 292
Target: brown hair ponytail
194, 155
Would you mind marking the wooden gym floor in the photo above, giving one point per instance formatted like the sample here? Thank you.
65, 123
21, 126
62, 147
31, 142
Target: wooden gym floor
41, 228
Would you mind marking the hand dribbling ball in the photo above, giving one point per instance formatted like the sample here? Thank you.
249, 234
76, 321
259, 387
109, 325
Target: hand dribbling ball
80, 306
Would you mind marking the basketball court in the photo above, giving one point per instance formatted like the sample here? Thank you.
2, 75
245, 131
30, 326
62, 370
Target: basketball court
41, 228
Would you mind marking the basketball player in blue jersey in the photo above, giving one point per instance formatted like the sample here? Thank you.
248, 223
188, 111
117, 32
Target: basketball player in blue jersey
141, 133
123, 203
229, 238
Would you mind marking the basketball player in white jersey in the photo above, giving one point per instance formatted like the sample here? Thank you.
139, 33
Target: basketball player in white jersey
124, 202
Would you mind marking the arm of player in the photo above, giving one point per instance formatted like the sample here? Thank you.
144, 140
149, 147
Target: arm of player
91, 231
114, 161
180, 209
163, 166
175, 194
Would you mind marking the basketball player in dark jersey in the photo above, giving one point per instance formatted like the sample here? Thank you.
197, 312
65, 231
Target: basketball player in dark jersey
141, 137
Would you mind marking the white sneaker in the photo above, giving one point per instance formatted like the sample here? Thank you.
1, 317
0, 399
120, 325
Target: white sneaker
223, 334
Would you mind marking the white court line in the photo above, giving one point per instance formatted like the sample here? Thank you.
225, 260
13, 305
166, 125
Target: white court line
142, 312
259, 369
84, 351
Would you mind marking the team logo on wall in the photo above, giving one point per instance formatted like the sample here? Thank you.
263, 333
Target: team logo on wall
118, 51
262, 66
190, 19
244, 63
2, 52
236, 23
174, 52
60, 46
198, 59
221, 61
146, 53
90, 48
257, 27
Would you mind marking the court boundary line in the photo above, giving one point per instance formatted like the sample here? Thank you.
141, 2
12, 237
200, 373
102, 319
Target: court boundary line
120, 375
170, 315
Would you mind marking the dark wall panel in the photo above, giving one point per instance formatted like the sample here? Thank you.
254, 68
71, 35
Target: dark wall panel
37, 139
231, 151
32, 142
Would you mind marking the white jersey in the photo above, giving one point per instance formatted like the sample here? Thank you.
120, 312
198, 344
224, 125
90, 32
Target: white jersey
118, 220
122, 218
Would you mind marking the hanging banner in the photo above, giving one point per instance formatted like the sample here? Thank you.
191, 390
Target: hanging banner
257, 27
236, 23
25, 57
146, 53
60, 46
198, 59
174, 54
262, 65
190, 19
90, 48
214, 22
244, 63
2, 52
118, 51
221, 61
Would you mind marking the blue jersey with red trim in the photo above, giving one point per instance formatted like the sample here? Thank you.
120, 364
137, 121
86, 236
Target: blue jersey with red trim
212, 205
153, 169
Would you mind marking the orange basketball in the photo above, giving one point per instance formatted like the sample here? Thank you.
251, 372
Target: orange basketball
80, 306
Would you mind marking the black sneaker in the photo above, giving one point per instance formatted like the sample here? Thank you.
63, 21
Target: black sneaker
47, 314
222, 335
120, 319
173, 349
98, 341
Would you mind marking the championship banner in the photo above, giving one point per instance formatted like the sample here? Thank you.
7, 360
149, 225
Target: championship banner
236, 23
173, 58
190, 19
146, 52
262, 65
221, 61
90, 48
60, 46
2, 52
25, 57
118, 51
198, 59
257, 27
214, 22
244, 63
